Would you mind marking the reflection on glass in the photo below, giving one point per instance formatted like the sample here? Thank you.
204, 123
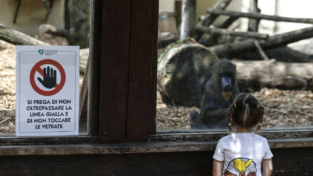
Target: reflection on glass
54, 22
197, 78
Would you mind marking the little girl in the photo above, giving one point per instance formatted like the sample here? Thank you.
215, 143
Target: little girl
243, 152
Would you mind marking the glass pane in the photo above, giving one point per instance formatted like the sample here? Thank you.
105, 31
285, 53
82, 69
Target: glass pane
197, 55
55, 22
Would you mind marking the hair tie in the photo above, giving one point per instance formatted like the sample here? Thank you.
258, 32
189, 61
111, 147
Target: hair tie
235, 105
258, 106
260, 124
229, 124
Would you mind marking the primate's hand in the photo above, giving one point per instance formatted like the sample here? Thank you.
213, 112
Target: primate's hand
49, 78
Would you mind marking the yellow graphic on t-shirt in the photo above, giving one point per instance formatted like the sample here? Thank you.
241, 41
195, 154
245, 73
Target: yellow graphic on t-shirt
241, 165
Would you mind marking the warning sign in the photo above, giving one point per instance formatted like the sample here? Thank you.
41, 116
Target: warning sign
49, 77
47, 87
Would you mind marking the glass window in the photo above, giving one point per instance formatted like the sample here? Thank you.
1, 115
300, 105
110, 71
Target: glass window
197, 55
54, 22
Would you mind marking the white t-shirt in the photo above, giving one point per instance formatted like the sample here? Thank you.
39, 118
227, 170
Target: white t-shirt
242, 154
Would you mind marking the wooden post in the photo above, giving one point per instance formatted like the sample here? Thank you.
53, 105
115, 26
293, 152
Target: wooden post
94, 62
141, 102
114, 65
127, 90
253, 25
188, 18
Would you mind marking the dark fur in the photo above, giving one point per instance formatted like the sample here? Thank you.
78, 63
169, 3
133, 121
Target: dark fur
215, 105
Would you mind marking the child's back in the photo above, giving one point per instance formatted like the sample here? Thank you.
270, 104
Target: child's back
242, 153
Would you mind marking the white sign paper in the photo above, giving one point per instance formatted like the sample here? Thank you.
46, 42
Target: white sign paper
47, 88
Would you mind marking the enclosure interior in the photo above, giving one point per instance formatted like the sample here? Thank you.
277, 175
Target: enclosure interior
272, 54
282, 84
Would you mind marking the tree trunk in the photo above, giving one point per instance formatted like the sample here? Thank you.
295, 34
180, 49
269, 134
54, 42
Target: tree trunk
186, 67
83, 99
257, 74
84, 55
77, 22
253, 24
253, 35
276, 13
188, 18
17, 38
282, 54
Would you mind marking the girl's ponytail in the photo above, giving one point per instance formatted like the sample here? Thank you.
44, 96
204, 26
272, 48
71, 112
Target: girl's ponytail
230, 116
246, 112
260, 112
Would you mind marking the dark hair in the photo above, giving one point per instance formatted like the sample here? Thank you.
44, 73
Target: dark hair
246, 111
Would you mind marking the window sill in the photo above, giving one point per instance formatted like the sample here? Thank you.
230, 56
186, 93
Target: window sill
144, 147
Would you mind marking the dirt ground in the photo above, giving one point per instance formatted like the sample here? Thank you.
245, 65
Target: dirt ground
283, 109
7, 81
7, 88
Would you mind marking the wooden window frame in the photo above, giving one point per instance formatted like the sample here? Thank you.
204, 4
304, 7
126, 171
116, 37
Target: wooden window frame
122, 94
128, 75
138, 112
116, 82
89, 102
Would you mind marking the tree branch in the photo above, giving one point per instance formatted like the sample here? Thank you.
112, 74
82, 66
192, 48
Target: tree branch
259, 16
17, 38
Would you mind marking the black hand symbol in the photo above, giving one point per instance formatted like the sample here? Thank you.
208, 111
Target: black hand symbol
49, 78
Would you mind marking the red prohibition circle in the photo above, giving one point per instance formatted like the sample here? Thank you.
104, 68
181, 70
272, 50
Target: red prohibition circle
37, 68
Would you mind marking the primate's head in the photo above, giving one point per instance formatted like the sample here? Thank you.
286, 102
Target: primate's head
225, 73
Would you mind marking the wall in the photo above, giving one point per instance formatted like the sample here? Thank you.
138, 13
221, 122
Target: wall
31, 14
286, 8
167, 5
202, 6
287, 162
